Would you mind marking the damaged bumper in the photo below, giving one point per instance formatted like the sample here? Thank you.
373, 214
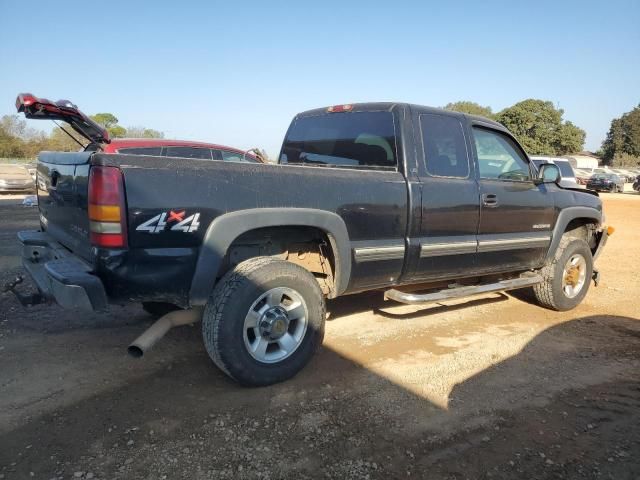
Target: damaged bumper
59, 275
601, 240
602, 237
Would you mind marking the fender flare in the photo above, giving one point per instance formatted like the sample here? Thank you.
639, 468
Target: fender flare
226, 228
565, 216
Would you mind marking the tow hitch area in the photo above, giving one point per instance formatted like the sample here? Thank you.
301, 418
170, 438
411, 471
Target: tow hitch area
25, 300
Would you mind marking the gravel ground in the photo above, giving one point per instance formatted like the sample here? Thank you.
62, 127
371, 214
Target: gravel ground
494, 387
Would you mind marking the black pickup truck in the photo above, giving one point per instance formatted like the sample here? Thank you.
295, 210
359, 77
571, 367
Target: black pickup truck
374, 196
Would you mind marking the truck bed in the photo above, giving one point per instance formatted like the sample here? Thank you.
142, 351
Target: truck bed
160, 263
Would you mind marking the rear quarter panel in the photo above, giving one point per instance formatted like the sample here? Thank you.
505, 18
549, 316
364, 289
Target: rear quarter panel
373, 205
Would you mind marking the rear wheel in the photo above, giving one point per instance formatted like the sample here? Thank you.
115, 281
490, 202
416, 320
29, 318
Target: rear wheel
567, 277
264, 321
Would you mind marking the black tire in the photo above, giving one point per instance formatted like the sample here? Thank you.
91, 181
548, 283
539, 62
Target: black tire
158, 309
550, 292
223, 322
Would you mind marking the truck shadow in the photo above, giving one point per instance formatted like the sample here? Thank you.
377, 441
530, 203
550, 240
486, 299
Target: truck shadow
187, 418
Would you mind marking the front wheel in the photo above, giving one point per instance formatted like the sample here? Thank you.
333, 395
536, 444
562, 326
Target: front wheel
567, 277
264, 321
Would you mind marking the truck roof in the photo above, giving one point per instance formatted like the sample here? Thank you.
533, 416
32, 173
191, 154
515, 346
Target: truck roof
389, 106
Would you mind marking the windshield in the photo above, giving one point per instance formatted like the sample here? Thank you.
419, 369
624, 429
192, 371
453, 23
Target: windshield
349, 139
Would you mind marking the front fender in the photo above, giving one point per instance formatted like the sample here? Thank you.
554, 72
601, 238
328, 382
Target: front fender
565, 216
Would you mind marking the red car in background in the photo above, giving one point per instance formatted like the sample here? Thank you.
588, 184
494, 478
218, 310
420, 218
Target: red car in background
177, 148
98, 136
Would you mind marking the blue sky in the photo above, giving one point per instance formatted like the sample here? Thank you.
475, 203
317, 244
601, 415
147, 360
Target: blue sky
236, 72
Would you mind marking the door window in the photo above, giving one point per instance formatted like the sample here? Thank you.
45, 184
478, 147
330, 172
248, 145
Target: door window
188, 152
156, 151
228, 156
444, 148
499, 158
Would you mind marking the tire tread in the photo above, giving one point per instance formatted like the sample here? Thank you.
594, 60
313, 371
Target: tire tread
544, 291
223, 293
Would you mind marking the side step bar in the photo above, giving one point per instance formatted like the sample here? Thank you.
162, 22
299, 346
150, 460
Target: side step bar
460, 292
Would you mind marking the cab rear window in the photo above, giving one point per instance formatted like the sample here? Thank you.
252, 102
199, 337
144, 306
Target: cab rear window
347, 140
188, 152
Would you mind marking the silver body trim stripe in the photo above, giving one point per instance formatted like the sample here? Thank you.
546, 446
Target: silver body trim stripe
496, 245
442, 249
393, 252
375, 254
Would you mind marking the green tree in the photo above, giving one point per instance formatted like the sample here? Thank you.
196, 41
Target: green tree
142, 132
471, 108
13, 125
110, 122
107, 120
539, 127
622, 145
570, 139
17, 140
117, 131
59, 141
35, 143
10, 145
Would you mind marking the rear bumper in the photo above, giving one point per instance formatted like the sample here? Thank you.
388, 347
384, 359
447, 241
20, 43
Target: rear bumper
59, 275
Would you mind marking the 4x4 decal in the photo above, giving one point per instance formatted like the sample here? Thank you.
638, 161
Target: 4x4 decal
162, 221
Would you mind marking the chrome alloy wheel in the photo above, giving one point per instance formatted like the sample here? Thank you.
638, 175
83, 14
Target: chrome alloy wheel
275, 325
574, 275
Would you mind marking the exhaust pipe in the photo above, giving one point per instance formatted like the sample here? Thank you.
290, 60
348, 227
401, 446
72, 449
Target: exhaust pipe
159, 329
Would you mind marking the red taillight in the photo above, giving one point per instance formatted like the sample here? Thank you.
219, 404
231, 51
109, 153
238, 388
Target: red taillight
107, 210
24, 100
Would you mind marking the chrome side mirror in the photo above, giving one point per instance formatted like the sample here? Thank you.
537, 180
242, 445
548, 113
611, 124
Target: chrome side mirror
548, 173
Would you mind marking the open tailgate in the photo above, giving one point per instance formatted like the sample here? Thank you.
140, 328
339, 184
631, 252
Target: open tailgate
63, 110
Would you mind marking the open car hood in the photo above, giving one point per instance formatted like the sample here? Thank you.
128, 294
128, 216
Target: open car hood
64, 110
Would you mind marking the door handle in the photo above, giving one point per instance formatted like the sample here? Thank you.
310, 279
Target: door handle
489, 200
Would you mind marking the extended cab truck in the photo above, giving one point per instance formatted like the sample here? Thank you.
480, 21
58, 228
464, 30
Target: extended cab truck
366, 196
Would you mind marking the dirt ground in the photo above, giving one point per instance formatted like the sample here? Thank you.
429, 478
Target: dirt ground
494, 387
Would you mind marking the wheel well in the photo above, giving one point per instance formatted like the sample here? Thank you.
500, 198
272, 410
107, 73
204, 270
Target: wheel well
584, 229
309, 247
